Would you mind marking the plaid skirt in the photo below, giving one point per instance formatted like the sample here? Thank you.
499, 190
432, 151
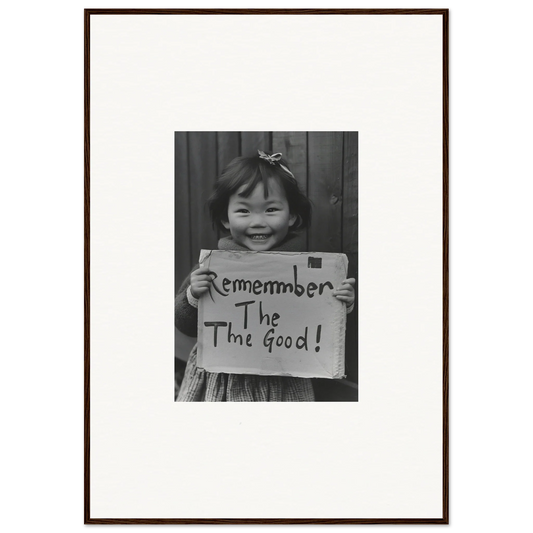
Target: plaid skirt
198, 385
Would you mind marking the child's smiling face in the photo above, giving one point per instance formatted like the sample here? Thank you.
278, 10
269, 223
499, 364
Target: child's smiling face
256, 222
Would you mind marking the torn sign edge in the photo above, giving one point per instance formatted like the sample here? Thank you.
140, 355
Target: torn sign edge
337, 360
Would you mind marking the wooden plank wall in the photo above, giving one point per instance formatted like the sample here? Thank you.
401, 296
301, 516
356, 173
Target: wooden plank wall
326, 167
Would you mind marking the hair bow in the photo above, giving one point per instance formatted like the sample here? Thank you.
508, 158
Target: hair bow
270, 158
274, 158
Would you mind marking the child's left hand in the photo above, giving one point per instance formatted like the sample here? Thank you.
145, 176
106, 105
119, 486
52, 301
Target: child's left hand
346, 291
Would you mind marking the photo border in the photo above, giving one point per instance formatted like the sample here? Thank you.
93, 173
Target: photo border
445, 261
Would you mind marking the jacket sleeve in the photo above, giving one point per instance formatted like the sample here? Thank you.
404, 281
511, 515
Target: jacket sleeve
185, 315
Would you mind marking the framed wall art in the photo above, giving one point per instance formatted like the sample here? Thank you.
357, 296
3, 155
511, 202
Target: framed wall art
351, 104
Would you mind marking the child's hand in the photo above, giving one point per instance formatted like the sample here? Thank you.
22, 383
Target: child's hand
346, 291
201, 280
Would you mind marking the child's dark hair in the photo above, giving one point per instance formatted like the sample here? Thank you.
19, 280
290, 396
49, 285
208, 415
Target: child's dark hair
251, 171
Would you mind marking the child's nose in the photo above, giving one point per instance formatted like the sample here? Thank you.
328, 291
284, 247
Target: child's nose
258, 221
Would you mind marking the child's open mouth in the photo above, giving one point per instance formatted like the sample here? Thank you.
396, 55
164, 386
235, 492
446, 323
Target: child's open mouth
259, 237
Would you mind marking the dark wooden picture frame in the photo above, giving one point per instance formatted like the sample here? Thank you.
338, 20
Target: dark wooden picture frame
445, 280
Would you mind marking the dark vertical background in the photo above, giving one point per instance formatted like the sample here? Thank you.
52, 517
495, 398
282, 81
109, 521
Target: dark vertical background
325, 165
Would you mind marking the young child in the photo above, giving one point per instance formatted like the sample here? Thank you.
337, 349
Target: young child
258, 200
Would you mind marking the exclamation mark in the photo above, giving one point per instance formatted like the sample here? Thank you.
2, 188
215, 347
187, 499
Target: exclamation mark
318, 330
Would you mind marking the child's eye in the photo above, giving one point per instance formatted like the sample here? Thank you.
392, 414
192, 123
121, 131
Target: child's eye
272, 209
242, 210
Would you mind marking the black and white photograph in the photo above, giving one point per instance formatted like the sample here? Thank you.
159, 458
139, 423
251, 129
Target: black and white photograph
283, 197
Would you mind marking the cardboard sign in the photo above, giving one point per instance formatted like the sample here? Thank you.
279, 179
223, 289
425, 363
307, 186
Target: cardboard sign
273, 313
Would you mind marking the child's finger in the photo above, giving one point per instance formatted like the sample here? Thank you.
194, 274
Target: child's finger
203, 273
203, 283
347, 299
204, 277
200, 290
347, 284
201, 277
344, 288
348, 294
198, 284
201, 270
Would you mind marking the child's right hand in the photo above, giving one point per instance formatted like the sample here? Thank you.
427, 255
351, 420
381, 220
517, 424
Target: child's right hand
201, 280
